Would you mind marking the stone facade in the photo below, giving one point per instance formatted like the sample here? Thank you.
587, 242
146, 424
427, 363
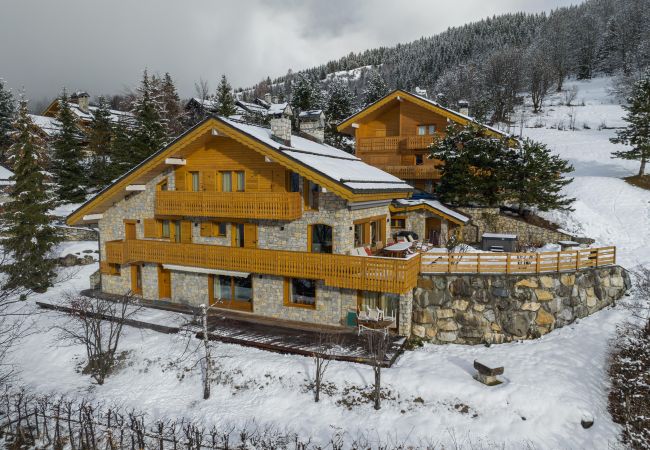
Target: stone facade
491, 220
482, 308
416, 222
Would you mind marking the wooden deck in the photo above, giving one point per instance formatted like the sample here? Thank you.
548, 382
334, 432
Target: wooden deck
280, 336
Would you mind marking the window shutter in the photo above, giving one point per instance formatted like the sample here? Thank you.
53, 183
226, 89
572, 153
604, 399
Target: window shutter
209, 181
186, 231
206, 229
150, 228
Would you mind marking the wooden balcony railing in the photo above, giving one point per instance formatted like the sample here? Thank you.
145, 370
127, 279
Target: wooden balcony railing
394, 275
413, 172
394, 143
515, 263
236, 205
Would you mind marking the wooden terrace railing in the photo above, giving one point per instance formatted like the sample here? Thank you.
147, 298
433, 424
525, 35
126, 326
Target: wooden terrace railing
393, 275
236, 205
395, 143
413, 172
517, 263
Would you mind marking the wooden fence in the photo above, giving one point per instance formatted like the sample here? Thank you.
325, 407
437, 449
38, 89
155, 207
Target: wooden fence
521, 263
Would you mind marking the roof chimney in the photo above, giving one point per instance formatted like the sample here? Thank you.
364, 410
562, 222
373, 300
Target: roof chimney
268, 98
312, 124
463, 107
281, 128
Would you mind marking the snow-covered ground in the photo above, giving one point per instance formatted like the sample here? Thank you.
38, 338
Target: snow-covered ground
550, 383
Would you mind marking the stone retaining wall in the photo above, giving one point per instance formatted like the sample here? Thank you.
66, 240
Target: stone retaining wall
491, 220
486, 308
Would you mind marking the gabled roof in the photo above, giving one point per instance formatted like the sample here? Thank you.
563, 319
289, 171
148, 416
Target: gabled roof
346, 125
433, 206
339, 172
48, 125
84, 116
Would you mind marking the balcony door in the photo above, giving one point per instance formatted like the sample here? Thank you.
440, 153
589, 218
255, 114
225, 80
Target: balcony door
129, 229
244, 235
164, 284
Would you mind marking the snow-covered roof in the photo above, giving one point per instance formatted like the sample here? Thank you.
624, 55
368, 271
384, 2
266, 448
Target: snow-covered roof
335, 164
49, 125
435, 204
5, 174
311, 114
499, 236
277, 108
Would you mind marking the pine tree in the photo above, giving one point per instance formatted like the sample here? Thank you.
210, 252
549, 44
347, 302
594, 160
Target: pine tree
100, 135
536, 178
305, 94
340, 104
121, 153
7, 112
29, 236
149, 131
67, 167
375, 88
637, 132
173, 114
225, 99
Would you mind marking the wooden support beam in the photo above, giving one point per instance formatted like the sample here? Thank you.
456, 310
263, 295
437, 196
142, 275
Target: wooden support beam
135, 187
175, 161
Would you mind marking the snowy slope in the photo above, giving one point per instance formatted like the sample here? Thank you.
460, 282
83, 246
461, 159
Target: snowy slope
550, 383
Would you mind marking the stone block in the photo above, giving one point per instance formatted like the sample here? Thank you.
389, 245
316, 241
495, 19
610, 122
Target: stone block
447, 336
592, 301
423, 316
447, 325
527, 282
418, 330
478, 308
489, 315
445, 313
495, 327
567, 280
460, 305
425, 282
617, 281
544, 319
543, 295
516, 323
431, 333
500, 292
547, 282
530, 306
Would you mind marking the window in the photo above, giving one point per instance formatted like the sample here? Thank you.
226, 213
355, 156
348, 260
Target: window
300, 292
418, 160
195, 181
311, 194
294, 182
226, 181
232, 292
388, 303
221, 228
423, 130
398, 222
165, 229
321, 238
432, 129
238, 230
359, 239
163, 185
177, 231
241, 181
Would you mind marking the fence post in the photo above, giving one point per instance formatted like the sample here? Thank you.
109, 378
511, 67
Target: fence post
577, 259
537, 261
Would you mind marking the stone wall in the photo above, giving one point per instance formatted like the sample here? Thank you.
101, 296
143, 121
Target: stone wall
77, 233
486, 308
416, 221
491, 220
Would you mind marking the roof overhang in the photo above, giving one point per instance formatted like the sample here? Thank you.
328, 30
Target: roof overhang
426, 207
193, 139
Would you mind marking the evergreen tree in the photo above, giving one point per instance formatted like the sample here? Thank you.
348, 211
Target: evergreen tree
536, 178
149, 131
305, 94
375, 88
173, 111
121, 153
637, 132
29, 236
225, 98
475, 169
340, 104
7, 111
67, 167
100, 135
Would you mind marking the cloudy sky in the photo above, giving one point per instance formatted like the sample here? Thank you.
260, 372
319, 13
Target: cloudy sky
103, 46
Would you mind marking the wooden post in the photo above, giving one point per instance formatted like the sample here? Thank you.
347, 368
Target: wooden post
537, 261
508, 256
577, 259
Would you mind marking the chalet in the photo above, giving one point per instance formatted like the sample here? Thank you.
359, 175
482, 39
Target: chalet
243, 110
82, 109
258, 220
394, 134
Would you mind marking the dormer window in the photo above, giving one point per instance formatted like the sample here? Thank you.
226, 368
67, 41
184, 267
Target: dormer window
424, 130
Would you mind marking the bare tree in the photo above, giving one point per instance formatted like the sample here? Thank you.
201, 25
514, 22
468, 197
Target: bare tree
377, 344
97, 324
207, 358
539, 74
323, 355
570, 95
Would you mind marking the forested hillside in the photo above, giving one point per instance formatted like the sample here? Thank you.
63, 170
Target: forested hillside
489, 62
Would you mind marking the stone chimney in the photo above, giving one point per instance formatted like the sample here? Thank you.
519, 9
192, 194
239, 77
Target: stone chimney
281, 128
268, 98
463, 107
83, 100
312, 125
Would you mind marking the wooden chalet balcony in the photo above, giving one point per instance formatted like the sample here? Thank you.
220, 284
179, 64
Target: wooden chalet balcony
395, 143
235, 205
394, 275
413, 172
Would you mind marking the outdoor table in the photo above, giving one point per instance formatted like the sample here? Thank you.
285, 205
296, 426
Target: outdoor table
399, 248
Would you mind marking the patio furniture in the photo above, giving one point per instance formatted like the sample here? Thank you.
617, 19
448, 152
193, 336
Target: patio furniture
398, 250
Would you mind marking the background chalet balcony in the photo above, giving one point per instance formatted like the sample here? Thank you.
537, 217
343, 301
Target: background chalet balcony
236, 205
413, 172
394, 275
395, 143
